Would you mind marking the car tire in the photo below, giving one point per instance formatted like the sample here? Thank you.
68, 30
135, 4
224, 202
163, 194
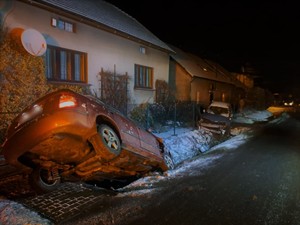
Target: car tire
110, 139
169, 161
40, 182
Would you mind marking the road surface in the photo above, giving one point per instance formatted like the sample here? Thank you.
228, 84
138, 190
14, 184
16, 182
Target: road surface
259, 183
256, 184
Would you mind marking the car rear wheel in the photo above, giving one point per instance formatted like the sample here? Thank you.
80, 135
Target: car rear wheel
43, 180
110, 139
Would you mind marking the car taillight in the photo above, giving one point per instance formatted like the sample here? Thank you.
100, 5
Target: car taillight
66, 101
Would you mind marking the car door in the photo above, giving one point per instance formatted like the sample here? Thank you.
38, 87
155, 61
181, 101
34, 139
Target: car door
149, 143
129, 132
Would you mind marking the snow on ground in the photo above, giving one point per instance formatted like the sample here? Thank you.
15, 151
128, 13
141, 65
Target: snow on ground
186, 144
188, 147
252, 116
13, 213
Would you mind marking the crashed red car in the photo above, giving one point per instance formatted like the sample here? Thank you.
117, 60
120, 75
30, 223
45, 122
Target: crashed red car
67, 135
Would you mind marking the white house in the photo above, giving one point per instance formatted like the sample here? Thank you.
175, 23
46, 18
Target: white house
85, 36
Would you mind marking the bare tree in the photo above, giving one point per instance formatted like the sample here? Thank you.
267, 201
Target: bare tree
113, 89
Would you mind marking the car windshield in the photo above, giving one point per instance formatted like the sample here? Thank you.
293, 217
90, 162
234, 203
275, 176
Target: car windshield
217, 110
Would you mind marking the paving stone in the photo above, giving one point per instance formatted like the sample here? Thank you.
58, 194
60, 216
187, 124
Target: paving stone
70, 200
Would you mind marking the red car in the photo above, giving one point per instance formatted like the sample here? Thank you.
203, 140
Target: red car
67, 135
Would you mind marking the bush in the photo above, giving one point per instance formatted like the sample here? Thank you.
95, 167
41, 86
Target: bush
22, 79
141, 115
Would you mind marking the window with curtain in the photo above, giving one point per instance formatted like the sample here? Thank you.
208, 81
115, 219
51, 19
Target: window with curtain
143, 76
66, 65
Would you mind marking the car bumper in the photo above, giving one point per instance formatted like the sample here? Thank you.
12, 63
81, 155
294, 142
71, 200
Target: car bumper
214, 128
63, 139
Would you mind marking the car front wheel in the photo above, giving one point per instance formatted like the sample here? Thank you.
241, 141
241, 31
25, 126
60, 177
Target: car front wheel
110, 139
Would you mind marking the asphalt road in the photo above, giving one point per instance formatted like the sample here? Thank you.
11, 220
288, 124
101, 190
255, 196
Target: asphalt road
256, 184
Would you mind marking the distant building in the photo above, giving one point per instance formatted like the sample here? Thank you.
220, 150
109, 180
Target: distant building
196, 79
245, 79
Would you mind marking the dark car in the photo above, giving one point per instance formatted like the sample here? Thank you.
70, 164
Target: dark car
65, 135
217, 118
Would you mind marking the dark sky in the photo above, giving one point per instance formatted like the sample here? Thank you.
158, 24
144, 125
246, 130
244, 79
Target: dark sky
263, 34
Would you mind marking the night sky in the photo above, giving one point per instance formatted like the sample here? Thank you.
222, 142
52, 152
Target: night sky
262, 34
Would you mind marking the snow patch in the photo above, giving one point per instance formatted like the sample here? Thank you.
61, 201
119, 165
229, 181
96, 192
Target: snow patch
14, 213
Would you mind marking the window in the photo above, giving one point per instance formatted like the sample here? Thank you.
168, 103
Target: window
63, 25
142, 50
66, 65
143, 76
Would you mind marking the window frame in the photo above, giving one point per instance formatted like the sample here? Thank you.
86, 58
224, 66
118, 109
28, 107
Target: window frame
62, 24
65, 65
143, 77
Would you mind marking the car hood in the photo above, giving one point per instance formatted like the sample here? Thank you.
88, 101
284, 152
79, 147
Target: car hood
215, 118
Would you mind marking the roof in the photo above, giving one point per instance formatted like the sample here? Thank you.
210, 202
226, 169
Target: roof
226, 73
198, 67
107, 15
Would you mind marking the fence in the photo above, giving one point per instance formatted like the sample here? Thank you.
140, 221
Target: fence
160, 117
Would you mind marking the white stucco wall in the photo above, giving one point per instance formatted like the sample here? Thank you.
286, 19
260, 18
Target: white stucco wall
105, 50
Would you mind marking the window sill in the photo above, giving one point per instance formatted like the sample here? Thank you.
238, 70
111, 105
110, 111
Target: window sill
143, 89
67, 83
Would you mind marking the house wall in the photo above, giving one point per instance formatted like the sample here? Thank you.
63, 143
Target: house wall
105, 50
201, 89
183, 84
223, 92
197, 89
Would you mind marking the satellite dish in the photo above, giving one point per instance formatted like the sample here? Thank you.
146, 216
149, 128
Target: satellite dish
34, 42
